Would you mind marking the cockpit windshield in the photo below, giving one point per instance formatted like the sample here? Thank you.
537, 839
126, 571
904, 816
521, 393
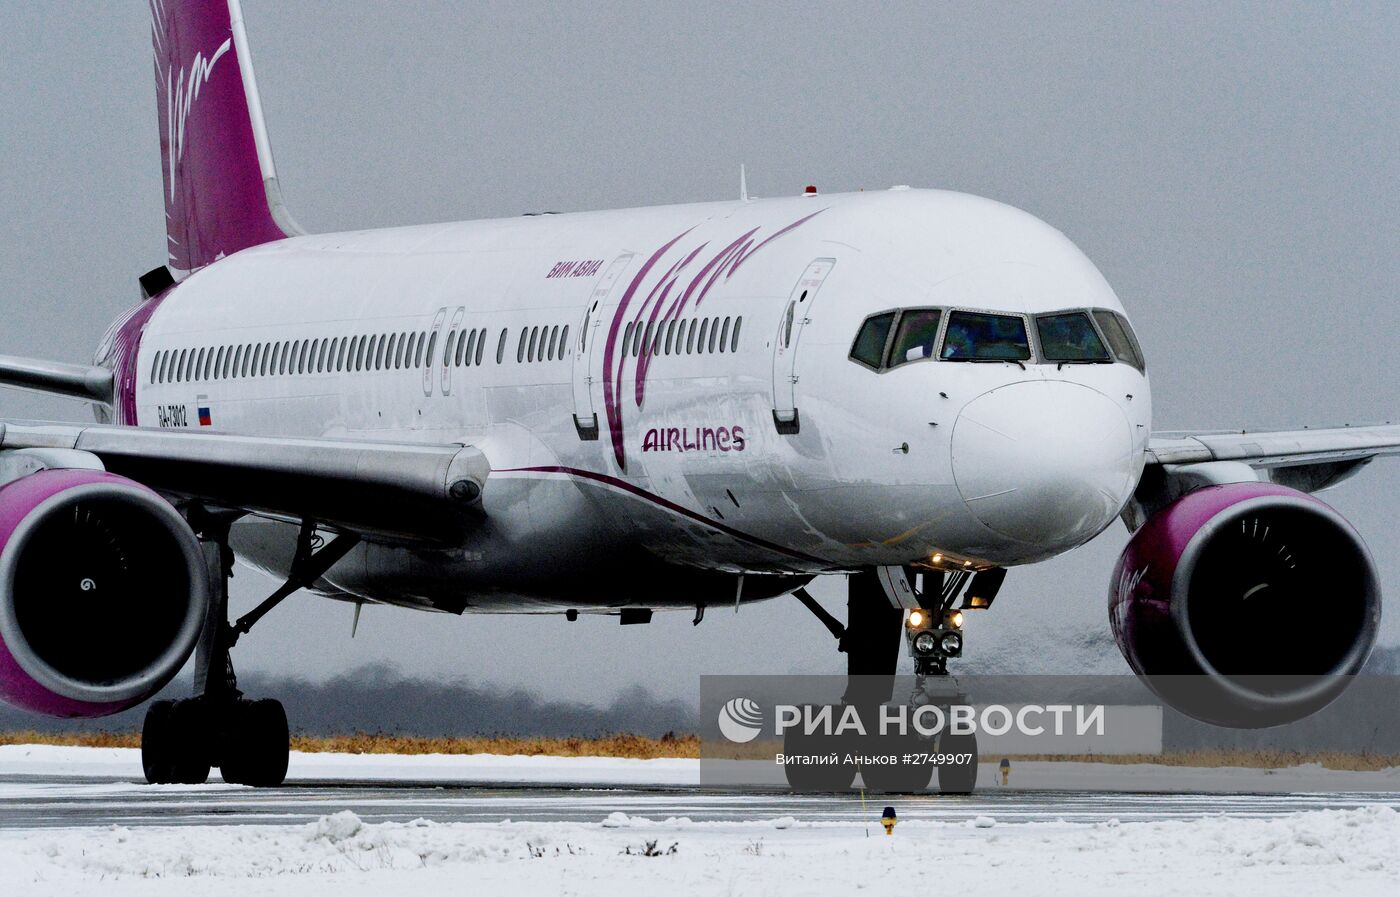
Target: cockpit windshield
1070, 337
974, 336
1120, 338
917, 336
891, 339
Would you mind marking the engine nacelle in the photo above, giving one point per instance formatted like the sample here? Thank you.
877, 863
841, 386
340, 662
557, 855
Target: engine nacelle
103, 593
1246, 605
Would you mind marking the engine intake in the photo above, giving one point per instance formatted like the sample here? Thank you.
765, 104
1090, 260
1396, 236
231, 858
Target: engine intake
1246, 605
103, 593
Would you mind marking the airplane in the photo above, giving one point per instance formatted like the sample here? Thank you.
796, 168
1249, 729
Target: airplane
618, 412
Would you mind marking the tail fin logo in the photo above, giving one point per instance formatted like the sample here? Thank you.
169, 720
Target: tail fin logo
180, 94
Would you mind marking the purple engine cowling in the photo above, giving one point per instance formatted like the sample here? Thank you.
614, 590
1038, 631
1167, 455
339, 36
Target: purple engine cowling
103, 593
1246, 605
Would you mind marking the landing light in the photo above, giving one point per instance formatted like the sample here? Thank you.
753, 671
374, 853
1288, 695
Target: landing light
938, 559
916, 619
955, 619
925, 643
952, 643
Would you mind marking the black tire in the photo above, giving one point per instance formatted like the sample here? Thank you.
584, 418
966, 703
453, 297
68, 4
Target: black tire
838, 776
258, 746
958, 778
157, 744
900, 777
190, 739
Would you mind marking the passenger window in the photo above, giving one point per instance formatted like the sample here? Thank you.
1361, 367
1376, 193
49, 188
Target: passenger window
916, 336
1070, 337
627, 339
431, 352
869, 347
501, 346
520, 348
690, 338
179, 362
975, 336
714, 333
724, 336
481, 345
447, 350
534, 338
787, 322
1120, 338
704, 330
219, 369
237, 362
199, 365
734, 337
553, 340
465, 347
396, 350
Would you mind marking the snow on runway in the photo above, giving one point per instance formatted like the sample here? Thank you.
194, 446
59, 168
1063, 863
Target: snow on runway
71, 818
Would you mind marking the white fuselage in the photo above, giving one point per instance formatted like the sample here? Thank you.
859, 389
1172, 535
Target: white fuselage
689, 481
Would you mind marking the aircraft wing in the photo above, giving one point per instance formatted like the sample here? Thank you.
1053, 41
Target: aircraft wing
381, 490
1308, 459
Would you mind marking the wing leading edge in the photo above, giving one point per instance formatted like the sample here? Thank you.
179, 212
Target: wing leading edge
382, 490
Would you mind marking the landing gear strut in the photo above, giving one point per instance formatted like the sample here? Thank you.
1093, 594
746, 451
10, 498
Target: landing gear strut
247, 740
870, 641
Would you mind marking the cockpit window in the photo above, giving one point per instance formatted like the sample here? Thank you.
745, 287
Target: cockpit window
869, 347
973, 336
916, 337
1120, 338
1070, 337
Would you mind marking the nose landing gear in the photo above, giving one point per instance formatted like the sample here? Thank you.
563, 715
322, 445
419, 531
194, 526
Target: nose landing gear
933, 635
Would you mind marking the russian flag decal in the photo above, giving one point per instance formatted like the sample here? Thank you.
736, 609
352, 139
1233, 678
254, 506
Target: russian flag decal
205, 420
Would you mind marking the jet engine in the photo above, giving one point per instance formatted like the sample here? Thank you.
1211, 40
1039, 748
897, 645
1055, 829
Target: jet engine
1245, 605
103, 592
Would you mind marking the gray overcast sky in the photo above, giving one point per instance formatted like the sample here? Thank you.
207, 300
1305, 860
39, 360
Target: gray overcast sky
1234, 170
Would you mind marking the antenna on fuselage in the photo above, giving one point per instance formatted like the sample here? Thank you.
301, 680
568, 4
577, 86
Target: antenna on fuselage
743, 184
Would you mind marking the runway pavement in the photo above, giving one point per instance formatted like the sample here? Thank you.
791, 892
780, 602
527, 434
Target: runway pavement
65, 802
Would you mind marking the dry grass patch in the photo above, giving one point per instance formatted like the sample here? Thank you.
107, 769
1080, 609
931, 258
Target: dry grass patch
618, 745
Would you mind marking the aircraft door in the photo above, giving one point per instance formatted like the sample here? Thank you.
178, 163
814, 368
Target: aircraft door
585, 351
434, 339
454, 335
796, 316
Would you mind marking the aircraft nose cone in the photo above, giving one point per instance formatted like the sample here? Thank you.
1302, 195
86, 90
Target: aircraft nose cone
1043, 462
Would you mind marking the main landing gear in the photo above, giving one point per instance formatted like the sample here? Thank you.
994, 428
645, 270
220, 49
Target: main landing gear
247, 740
932, 629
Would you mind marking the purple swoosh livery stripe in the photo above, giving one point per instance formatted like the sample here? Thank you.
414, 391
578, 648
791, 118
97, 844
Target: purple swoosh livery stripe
650, 312
669, 505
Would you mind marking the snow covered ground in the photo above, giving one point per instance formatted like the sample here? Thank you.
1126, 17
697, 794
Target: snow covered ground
1352, 852
752, 850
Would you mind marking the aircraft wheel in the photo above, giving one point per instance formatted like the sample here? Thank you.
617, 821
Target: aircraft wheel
157, 744
958, 778
259, 745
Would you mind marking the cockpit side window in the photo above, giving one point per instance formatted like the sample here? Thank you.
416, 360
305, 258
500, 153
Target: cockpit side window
869, 347
916, 337
1120, 338
1070, 337
974, 336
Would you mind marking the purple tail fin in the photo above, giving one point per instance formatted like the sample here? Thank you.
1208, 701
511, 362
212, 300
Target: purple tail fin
221, 191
